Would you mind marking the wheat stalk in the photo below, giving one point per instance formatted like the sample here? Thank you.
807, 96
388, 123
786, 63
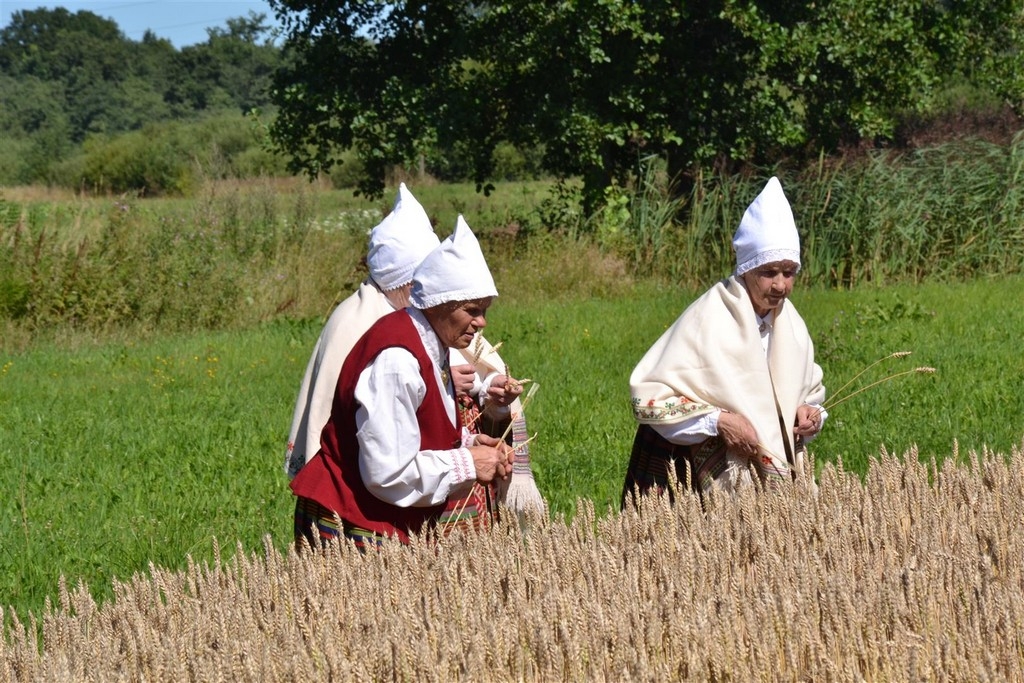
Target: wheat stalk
522, 407
478, 348
473, 420
538, 604
511, 381
895, 354
838, 398
920, 370
518, 448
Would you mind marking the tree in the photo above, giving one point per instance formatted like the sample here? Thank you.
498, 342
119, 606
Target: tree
231, 69
601, 83
36, 128
89, 64
247, 57
366, 76
66, 78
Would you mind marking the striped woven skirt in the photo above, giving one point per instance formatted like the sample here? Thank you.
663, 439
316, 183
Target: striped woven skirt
315, 525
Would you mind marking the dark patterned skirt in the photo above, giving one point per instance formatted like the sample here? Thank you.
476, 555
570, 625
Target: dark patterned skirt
655, 463
659, 465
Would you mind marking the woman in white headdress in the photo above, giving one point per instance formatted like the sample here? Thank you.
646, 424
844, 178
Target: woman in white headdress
731, 390
394, 450
397, 245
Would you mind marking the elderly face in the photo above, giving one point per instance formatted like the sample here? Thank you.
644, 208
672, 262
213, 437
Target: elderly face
769, 285
456, 323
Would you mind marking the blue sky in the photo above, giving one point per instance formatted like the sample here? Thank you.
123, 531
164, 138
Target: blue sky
183, 22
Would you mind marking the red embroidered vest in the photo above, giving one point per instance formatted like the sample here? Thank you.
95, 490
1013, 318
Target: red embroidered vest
332, 477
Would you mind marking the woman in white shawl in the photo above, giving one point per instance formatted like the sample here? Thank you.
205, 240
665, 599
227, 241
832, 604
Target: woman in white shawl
731, 388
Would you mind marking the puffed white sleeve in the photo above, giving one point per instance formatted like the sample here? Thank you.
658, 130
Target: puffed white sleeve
391, 464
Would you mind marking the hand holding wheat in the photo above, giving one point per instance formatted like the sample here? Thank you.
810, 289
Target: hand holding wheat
510, 454
492, 458
504, 389
738, 433
808, 421
463, 378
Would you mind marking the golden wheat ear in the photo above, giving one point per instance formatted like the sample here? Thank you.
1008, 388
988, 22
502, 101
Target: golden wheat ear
838, 398
478, 348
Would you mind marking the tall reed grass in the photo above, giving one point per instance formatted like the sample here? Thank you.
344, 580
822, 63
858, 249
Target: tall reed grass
231, 258
948, 212
941, 213
912, 574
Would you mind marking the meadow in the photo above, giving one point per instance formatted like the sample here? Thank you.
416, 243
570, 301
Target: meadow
142, 424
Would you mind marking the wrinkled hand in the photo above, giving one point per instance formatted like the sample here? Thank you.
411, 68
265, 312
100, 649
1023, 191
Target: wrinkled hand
463, 377
504, 390
738, 433
808, 421
492, 458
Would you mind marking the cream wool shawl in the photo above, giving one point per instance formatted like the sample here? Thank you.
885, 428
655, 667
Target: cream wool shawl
349, 321
712, 357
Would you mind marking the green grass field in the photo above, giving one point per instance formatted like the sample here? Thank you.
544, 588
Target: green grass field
119, 454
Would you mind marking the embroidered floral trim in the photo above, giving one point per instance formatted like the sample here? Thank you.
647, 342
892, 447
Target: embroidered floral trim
660, 411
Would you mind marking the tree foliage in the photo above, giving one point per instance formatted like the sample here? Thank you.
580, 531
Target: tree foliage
68, 77
602, 83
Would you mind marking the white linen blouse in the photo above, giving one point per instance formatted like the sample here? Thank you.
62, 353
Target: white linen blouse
391, 464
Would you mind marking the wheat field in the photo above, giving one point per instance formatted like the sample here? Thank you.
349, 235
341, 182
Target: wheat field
913, 573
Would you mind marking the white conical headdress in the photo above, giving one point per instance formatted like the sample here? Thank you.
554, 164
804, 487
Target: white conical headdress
767, 231
400, 242
455, 271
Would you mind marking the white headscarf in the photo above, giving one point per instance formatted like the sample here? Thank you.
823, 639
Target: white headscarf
767, 231
400, 242
455, 271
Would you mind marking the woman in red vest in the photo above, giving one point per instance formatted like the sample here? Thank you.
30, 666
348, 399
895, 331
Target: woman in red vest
394, 449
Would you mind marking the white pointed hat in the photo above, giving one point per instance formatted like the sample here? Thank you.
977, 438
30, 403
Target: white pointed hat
767, 231
455, 271
400, 242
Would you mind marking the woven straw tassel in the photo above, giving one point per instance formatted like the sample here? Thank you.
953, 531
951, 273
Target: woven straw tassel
520, 492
